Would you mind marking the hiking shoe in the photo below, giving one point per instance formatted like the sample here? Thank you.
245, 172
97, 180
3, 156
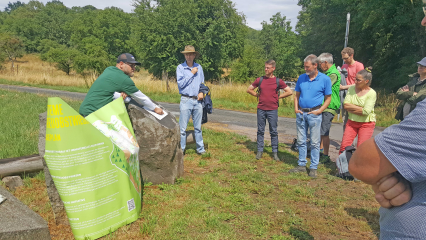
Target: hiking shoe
313, 173
276, 158
324, 159
259, 155
298, 169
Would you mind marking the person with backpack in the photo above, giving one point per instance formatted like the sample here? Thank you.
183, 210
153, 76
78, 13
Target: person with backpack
413, 92
189, 76
326, 64
313, 95
397, 153
268, 95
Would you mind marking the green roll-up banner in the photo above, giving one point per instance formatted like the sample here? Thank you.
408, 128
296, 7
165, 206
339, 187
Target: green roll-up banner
94, 164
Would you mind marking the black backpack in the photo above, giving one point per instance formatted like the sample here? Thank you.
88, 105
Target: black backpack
277, 89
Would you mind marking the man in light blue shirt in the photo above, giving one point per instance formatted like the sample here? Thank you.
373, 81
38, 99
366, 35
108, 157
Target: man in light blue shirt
189, 77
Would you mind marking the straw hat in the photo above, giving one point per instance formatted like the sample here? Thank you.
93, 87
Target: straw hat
191, 49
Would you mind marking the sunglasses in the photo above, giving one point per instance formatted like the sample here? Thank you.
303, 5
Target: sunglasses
132, 65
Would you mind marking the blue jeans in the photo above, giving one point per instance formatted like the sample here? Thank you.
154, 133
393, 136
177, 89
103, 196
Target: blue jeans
272, 116
188, 107
312, 122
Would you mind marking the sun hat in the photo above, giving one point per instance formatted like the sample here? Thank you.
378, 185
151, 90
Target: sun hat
190, 49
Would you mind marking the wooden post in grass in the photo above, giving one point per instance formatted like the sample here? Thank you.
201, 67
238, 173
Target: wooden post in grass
166, 78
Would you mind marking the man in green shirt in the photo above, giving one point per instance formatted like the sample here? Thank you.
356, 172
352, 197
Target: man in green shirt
326, 64
112, 82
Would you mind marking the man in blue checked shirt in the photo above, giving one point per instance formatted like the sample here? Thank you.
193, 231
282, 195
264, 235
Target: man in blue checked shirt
393, 162
189, 77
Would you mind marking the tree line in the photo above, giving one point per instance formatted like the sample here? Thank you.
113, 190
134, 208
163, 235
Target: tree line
86, 39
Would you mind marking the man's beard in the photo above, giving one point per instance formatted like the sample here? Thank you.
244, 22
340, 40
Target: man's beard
310, 72
130, 74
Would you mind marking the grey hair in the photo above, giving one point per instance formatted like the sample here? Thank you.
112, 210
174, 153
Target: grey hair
311, 58
366, 74
325, 57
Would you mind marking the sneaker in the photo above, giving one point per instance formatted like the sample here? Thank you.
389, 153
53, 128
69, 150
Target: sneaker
324, 159
313, 173
298, 169
276, 158
259, 155
201, 153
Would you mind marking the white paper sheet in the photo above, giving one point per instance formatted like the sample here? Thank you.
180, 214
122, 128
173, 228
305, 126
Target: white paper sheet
2, 198
159, 117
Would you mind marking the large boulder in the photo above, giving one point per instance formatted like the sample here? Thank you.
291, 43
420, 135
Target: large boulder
55, 200
19, 222
160, 154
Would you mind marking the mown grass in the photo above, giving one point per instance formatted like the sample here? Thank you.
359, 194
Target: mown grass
230, 195
227, 194
231, 96
19, 122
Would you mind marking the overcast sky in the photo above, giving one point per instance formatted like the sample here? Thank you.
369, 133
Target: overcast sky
255, 11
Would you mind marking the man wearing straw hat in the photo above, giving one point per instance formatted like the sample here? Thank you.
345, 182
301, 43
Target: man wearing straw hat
189, 76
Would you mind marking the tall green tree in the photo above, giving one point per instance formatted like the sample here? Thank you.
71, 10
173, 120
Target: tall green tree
22, 22
63, 57
12, 6
12, 47
250, 65
52, 19
282, 45
214, 28
384, 34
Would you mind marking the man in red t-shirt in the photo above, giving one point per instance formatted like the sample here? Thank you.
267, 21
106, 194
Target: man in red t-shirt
268, 106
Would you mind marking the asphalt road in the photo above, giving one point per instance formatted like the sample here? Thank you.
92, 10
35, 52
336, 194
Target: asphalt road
286, 126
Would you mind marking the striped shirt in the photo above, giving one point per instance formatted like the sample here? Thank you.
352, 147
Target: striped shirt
403, 145
188, 83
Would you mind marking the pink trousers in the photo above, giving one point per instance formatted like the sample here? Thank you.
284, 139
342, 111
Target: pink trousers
364, 130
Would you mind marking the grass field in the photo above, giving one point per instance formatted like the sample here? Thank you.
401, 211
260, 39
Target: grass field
34, 72
19, 122
225, 194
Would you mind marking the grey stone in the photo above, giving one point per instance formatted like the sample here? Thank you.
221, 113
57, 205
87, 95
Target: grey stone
55, 200
190, 137
12, 182
160, 154
18, 222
